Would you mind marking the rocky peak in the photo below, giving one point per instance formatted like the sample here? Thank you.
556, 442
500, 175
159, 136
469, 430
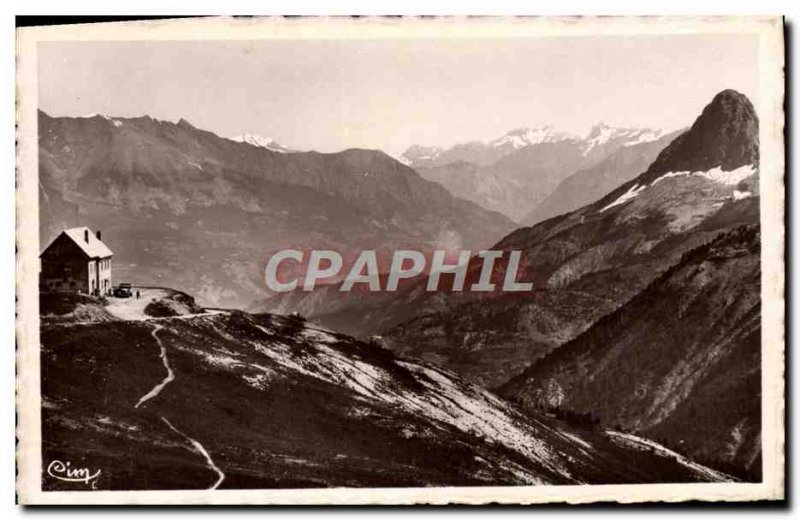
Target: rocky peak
725, 135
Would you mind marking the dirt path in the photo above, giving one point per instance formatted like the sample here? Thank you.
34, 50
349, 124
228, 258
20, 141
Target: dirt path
170, 375
200, 449
157, 390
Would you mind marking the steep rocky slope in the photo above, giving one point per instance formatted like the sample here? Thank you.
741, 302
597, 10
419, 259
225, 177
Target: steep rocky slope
680, 362
183, 205
233, 401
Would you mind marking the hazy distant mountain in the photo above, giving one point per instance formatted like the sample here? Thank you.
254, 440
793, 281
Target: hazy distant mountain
470, 182
481, 153
522, 137
184, 205
589, 184
263, 142
514, 173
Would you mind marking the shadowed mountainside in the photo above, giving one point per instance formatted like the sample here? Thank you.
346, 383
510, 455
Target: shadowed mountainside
680, 362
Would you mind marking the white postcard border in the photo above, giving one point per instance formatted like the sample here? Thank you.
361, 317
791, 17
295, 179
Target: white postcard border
769, 106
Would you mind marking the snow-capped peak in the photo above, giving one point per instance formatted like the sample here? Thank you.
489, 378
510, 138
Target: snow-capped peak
602, 133
262, 142
402, 159
115, 122
417, 153
522, 137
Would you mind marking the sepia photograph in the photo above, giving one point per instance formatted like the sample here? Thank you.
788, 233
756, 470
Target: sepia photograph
400, 260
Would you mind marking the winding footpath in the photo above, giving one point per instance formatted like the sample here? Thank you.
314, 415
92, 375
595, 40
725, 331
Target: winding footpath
157, 390
170, 375
200, 449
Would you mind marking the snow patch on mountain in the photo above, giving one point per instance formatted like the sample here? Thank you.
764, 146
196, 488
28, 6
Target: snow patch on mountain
599, 135
194, 164
602, 134
522, 137
718, 175
730, 177
262, 142
404, 160
422, 153
115, 122
646, 136
632, 192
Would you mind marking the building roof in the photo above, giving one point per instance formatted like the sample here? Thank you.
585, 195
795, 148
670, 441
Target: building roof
94, 248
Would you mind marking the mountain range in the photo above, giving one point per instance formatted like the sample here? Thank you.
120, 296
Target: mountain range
182, 204
645, 314
593, 262
515, 173
600, 258
589, 184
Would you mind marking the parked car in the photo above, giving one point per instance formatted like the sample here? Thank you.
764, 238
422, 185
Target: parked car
123, 290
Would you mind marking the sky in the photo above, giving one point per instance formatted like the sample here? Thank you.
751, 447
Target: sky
331, 95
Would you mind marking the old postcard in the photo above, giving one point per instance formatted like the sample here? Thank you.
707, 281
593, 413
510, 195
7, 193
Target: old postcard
401, 261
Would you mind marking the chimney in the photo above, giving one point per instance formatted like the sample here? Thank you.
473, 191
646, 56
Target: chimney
98, 234
86, 235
